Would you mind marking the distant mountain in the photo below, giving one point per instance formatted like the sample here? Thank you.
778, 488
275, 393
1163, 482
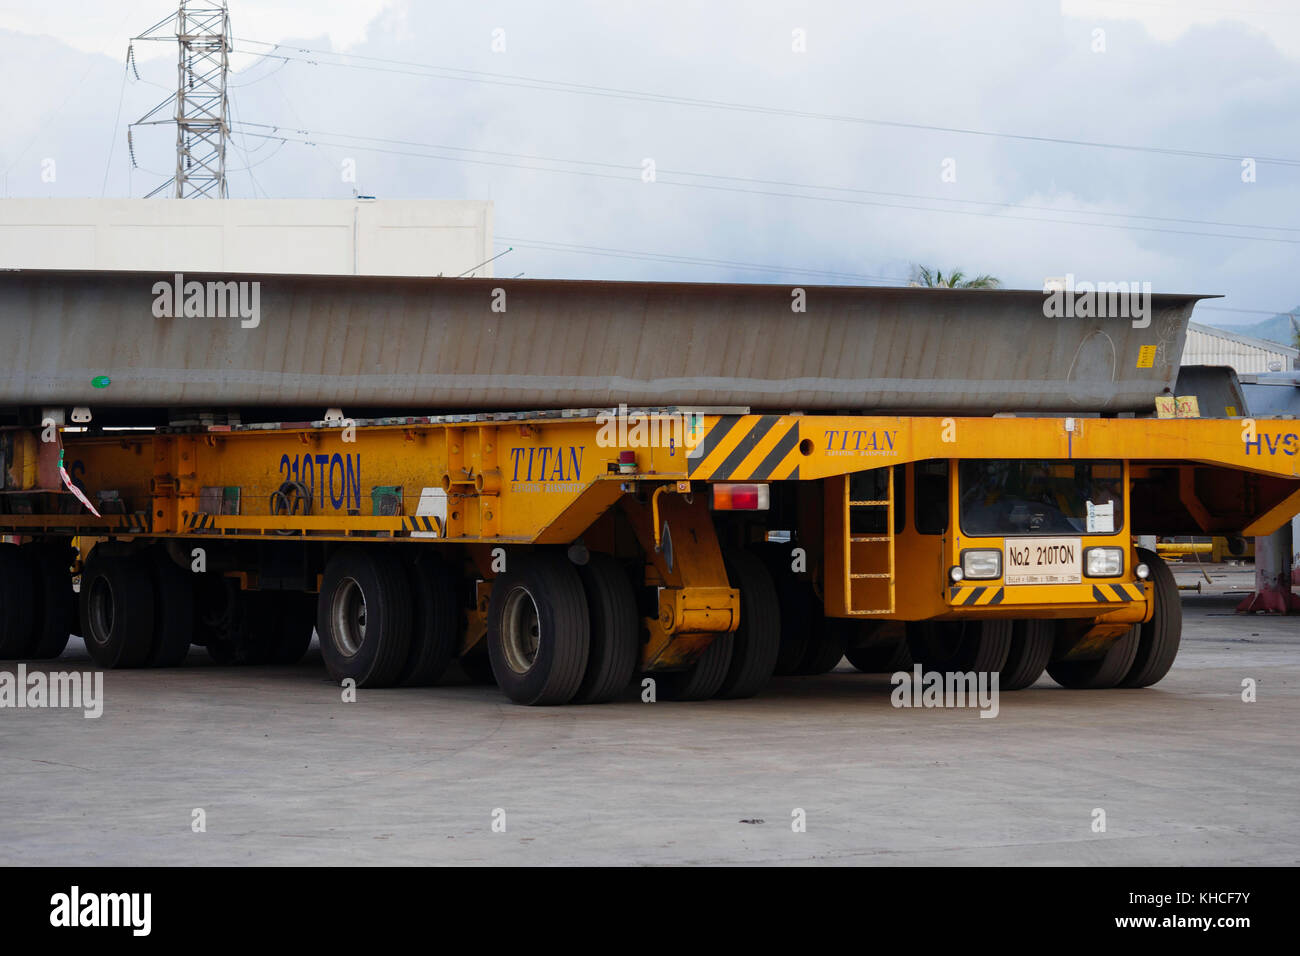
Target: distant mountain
1276, 329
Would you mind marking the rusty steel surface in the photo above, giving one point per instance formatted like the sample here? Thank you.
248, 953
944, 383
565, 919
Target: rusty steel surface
437, 343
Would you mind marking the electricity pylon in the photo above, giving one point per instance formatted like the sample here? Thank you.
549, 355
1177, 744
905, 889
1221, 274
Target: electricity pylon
200, 108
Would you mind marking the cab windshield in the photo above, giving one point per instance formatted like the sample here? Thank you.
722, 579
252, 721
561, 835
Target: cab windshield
999, 497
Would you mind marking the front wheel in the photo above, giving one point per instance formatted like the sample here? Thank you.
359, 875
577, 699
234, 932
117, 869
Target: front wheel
887, 657
1031, 648
960, 646
1106, 671
1160, 637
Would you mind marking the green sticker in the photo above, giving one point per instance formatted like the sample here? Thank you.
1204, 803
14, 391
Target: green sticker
100, 381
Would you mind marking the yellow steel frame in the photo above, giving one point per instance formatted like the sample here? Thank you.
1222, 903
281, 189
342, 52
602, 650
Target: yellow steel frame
546, 480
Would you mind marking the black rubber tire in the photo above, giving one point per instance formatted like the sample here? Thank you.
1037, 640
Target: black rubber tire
798, 604
703, 679
824, 642
280, 626
117, 610
615, 630
1103, 672
884, 658
435, 623
1160, 637
563, 629
17, 609
173, 621
221, 618
960, 646
56, 602
477, 666
757, 640
223, 652
379, 581
1031, 649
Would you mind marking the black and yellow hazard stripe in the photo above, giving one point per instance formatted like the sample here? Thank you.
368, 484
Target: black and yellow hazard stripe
131, 524
976, 596
200, 521
748, 448
413, 523
1113, 593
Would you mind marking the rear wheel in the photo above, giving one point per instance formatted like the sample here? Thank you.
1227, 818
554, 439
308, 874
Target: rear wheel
823, 645
960, 646
17, 609
612, 653
435, 623
797, 602
477, 666
538, 630
117, 610
701, 680
756, 641
1031, 649
220, 619
363, 616
56, 602
1105, 671
173, 611
280, 625
1160, 637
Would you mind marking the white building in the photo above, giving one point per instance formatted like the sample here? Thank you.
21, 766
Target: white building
319, 236
1207, 345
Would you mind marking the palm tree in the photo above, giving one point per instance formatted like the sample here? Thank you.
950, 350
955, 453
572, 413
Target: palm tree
935, 279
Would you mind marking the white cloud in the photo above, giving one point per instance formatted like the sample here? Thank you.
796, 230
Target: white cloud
1168, 20
1011, 65
92, 26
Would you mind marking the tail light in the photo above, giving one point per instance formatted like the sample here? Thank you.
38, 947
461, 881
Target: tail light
740, 497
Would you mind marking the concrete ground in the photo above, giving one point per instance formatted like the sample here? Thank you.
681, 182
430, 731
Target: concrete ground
285, 772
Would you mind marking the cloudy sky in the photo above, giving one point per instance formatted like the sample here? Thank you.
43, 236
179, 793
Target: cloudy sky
817, 141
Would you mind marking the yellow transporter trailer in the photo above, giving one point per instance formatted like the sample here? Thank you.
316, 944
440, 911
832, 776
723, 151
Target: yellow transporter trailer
561, 553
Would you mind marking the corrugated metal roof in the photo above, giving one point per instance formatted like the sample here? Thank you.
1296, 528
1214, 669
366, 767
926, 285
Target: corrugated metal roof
1207, 345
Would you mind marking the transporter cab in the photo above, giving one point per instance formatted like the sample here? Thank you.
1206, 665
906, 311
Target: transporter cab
560, 560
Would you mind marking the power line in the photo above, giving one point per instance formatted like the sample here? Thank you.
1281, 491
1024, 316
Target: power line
483, 263
626, 167
116, 119
786, 195
432, 71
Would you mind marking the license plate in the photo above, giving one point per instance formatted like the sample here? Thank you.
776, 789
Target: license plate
1042, 561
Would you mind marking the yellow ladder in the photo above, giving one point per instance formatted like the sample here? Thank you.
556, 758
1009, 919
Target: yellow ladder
887, 539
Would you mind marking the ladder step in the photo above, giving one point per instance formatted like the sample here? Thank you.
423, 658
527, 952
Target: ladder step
862, 538
869, 504
855, 576
865, 613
